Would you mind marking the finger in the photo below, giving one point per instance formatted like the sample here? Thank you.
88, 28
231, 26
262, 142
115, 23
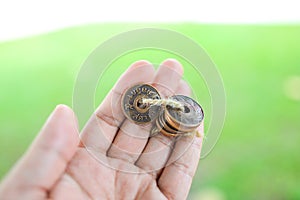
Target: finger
181, 166
168, 77
183, 88
101, 129
182, 163
129, 142
157, 150
48, 156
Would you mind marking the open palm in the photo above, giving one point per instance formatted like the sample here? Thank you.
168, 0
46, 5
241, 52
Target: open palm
115, 158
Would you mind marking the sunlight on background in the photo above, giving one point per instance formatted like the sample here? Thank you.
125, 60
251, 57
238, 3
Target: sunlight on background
22, 18
292, 87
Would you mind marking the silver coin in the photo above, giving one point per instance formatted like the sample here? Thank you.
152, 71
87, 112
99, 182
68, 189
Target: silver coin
187, 119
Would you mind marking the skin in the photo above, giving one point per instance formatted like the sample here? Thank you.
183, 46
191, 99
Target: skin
112, 158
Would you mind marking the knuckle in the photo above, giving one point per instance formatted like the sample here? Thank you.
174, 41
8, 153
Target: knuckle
110, 120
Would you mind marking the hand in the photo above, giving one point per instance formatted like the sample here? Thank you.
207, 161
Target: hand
114, 159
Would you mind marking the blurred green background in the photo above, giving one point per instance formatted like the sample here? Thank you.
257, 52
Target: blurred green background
257, 155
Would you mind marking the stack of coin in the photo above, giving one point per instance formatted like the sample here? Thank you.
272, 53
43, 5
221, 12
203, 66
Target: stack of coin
175, 122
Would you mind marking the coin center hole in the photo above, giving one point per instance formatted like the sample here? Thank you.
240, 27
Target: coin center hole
186, 109
140, 104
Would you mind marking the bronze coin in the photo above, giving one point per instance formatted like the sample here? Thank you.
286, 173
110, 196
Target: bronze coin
166, 133
132, 105
168, 123
187, 119
180, 127
162, 129
162, 124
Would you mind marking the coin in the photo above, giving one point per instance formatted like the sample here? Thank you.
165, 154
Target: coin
162, 129
165, 127
184, 120
133, 107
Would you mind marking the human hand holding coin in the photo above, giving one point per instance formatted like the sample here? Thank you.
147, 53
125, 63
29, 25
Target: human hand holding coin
116, 158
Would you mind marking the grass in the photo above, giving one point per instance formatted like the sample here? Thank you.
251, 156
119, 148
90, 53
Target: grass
257, 155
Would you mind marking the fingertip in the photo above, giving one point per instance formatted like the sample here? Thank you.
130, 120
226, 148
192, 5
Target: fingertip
138, 72
65, 113
174, 65
167, 77
52, 149
61, 125
140, 63
62, 107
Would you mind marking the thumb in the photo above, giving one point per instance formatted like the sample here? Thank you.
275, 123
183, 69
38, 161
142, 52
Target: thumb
46, 159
